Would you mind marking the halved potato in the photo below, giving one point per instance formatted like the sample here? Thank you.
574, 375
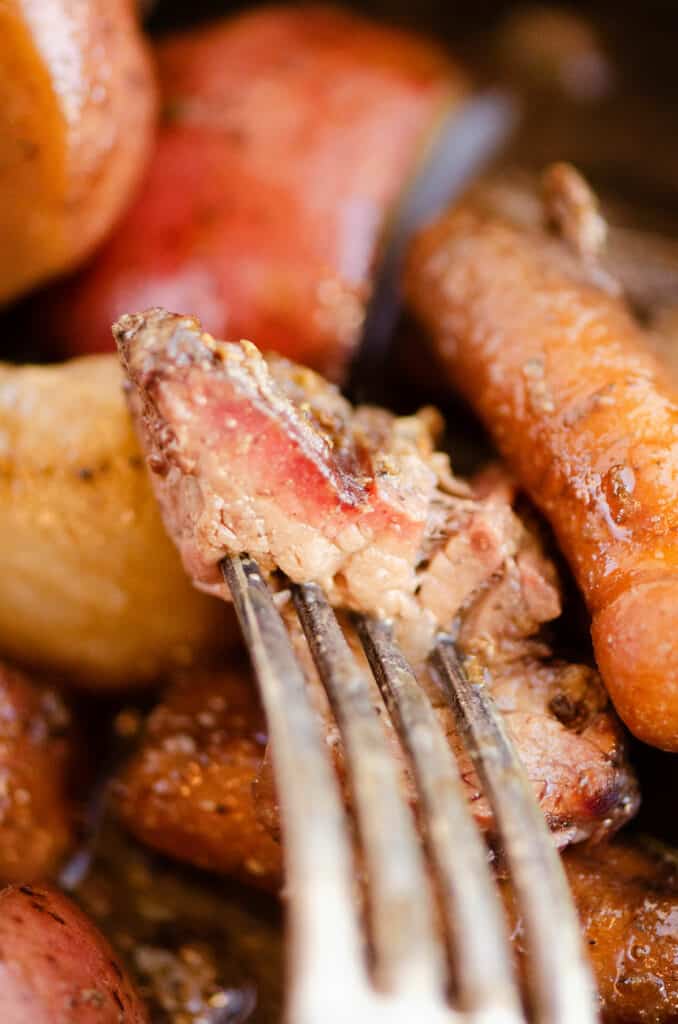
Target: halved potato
89, 583
77, 103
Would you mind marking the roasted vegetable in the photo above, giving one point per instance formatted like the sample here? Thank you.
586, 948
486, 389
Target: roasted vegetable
626, 893
202, 950
77, 101
534, 333
188, 791
199, 787
37, 769
56, 968
288, 135
627, 896
90, 584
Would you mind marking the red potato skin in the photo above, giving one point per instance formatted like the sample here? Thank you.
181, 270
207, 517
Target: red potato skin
288, 135
561, 374
55, 967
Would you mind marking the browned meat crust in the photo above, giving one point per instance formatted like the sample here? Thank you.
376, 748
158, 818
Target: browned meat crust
558, 715
36, 763
188, 792
259, 455
196, 789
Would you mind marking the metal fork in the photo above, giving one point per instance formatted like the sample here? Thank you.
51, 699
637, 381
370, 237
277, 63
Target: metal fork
399, 974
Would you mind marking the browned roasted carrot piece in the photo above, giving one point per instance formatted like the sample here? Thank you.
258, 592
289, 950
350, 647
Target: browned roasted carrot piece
37, 762
558, 368
199, 788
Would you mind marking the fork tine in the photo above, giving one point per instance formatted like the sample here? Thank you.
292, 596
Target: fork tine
326, 945
485, 976
408, 952
560, 983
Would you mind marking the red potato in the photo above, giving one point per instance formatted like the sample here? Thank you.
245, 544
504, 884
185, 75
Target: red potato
287, 137
56, 968
77, 105
538, 340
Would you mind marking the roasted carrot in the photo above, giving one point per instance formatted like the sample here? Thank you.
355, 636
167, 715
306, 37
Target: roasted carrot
542, 345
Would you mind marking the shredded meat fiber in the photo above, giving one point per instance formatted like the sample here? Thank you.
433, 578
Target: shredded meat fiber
251, 453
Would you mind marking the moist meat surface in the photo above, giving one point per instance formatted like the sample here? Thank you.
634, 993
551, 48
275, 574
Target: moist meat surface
559, 718
256, 454
199, 787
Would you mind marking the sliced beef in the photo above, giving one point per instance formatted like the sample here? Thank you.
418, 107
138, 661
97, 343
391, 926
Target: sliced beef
262, 456
255, 454
558, 714
200, 786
